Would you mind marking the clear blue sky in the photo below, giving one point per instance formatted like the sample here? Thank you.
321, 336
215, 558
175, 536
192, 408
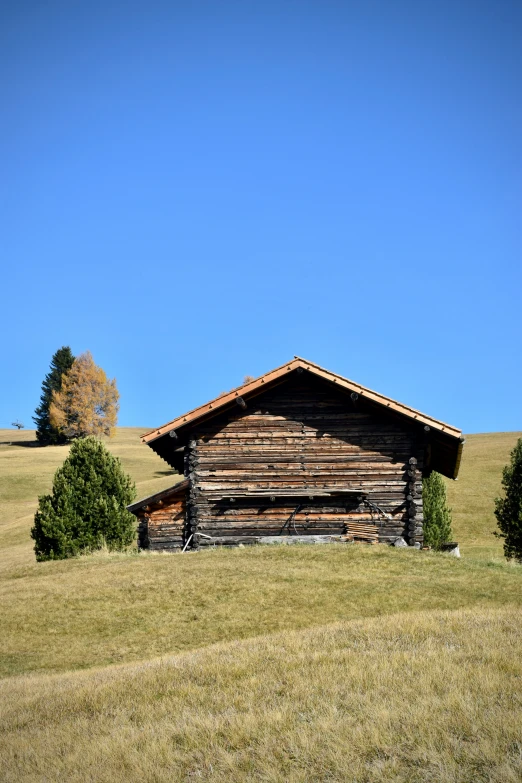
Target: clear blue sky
199, 190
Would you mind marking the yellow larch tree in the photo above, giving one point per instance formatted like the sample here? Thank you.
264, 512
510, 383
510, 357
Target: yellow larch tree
87, 403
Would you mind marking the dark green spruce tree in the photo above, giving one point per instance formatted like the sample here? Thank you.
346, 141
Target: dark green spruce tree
61, 363
437, 514
87, 507
508, 510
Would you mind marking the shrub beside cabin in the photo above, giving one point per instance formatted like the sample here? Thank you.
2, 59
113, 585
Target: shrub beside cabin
298, 452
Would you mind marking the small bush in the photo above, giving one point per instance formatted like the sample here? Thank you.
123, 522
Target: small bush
437, 514
508, 510
87, 507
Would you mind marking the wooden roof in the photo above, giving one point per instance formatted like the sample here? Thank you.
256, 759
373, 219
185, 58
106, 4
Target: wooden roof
258, 384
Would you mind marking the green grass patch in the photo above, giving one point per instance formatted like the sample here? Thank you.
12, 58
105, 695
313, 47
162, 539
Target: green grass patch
99, 610
107, 609
472, 496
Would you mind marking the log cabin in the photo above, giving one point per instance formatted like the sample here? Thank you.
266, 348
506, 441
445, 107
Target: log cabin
298, 454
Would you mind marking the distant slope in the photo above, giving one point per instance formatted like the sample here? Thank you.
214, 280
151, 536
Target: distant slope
420, 697
26, 471
472, 495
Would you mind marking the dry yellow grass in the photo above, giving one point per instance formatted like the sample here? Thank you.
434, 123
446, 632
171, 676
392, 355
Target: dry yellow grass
472, 495
419, 697
397, 689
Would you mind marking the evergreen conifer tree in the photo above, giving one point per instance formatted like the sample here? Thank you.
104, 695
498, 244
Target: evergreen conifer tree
87, 507
61, 363
437, 515
508, 510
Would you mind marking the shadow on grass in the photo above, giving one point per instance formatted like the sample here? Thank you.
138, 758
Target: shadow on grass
31, 444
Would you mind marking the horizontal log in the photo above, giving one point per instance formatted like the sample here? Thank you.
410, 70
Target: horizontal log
306, 435
209, 525
351, 423
240, 472
262, 505
303, 513
155, 542
166, 548
228, 489
308, 438
306, 446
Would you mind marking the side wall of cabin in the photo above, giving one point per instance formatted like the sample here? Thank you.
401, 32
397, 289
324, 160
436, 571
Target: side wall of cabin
305, 435
163, 525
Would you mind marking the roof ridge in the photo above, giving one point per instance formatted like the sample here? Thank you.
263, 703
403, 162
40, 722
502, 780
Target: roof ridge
224, 399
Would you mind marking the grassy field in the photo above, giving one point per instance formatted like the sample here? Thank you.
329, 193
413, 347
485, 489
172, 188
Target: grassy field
429, 696
97, 611
304, 663
471, 496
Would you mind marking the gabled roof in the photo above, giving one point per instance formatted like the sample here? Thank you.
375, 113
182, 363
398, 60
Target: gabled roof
257, 385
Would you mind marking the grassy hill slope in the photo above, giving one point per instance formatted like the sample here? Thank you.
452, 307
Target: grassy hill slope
471, 496
106, 609
297, 664
99, 610
420, 697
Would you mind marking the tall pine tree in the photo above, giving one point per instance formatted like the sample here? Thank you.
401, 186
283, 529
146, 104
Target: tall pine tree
508, 510
61, 363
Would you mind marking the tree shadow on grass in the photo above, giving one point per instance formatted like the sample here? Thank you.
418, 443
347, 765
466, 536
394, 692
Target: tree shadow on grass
30, 444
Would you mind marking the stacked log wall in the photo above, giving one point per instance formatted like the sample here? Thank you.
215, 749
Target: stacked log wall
300, 437
163, 527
